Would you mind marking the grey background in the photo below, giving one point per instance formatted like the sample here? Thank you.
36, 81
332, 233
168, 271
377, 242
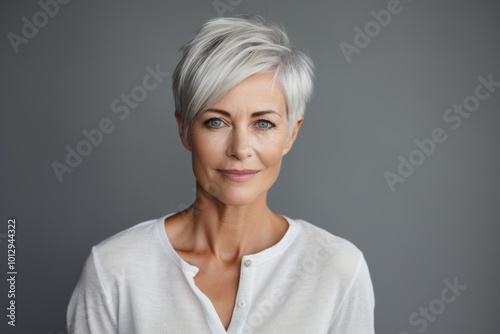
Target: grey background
441, 223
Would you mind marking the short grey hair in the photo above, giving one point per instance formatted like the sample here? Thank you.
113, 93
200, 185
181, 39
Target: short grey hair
228, 50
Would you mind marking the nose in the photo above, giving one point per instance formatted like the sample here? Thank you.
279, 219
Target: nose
239, 145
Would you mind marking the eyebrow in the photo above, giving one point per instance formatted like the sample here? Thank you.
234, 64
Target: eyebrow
254, 114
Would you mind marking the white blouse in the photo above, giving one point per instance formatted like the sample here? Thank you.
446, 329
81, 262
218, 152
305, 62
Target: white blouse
309, 282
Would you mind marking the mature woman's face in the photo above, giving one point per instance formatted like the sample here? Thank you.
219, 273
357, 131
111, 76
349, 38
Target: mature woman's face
237, 144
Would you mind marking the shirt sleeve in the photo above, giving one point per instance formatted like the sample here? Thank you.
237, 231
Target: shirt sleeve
89, 310
356, 313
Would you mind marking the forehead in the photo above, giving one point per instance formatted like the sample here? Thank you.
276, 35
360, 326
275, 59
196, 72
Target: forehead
257, 92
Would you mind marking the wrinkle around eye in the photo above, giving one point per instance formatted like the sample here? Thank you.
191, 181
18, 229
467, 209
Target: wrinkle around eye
209, 123
269, 125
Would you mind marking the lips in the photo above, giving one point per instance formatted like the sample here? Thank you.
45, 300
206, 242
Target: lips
238, 175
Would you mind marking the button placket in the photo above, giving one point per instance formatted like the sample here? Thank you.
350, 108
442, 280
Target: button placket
244, 296
248, 277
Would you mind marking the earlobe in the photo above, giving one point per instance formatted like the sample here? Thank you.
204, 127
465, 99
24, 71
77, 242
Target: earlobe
293, 136
182, 134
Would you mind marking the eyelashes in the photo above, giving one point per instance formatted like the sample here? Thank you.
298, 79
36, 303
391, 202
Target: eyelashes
261, 124
214, 123
266, 124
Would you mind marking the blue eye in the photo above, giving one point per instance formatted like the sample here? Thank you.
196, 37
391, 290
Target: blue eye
214, 122
264, 125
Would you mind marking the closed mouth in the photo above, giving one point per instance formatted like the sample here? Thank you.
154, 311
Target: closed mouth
238, 171
238, 175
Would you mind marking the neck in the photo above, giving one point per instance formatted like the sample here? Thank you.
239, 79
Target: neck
229, 232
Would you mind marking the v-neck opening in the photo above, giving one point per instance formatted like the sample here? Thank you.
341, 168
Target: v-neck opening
190, 272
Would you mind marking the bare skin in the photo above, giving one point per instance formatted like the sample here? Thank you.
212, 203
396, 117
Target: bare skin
247, 130
219, 273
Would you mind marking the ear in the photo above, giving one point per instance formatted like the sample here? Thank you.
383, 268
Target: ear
293, 136
182, 135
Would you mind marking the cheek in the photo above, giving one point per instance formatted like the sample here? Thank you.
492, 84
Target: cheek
207, 148
270, 147
270, 155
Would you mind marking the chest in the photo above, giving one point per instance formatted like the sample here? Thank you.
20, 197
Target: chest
220, 285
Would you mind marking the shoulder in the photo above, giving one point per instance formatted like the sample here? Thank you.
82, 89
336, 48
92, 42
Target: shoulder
129, 238
312, 236
338, 258
133, 247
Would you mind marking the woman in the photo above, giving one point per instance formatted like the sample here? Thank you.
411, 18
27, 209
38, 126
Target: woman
228, 264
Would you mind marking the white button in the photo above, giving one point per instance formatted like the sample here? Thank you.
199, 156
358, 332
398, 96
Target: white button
248, 263
242, 304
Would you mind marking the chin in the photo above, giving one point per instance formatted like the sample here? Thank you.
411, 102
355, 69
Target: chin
235, 193
237, 197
